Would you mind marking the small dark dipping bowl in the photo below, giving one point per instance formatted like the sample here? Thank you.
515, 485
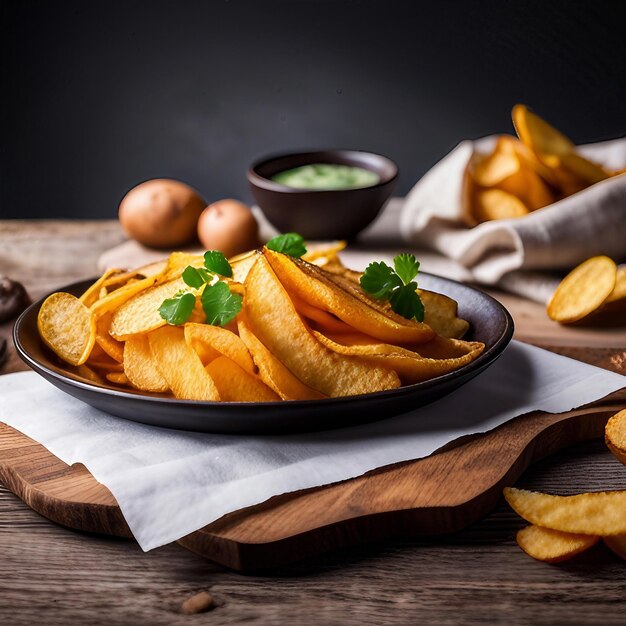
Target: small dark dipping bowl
322, 214
489, 322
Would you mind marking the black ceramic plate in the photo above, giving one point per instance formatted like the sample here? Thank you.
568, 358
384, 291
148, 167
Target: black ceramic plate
489, 321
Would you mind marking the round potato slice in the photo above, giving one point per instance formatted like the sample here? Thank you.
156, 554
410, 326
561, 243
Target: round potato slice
583, 290
67, 327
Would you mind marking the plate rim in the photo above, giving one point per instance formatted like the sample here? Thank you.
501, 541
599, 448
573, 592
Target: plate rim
489, 355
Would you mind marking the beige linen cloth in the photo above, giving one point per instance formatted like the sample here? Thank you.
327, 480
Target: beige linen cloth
520, 255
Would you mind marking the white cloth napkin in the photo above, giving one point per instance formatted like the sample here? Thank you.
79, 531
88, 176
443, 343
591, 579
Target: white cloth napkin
556, 237
169, 483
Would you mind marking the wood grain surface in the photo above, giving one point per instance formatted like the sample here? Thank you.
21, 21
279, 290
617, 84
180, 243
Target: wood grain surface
51, 575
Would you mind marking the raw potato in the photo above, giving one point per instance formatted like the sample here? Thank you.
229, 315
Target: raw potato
161, 213
180, 366
553, 546
211, 342
272, 372
140, 367
274, 320
600, 513
345, 301
67, 327
228, 226
236, 384
583, 290
617, 544
615, 435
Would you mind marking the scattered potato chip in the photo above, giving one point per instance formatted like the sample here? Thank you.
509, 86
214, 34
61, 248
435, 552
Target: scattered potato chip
410, 366
344, 300
274, 320
180, 366
140, 314
583, 290
235, 384
272, 372
119, 378
211, 342
67, 327
615, 435
553, 546
113, 347
140, 367
617, 544
600, 513
495, 204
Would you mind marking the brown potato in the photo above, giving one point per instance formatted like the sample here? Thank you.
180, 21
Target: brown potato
161, 213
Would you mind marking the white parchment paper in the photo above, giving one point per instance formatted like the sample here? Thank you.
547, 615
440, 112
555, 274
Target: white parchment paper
169, 483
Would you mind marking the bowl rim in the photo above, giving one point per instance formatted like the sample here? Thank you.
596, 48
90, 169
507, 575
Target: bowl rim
254, 178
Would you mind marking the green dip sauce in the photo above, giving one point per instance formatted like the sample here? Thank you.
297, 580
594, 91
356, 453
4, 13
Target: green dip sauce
326, 176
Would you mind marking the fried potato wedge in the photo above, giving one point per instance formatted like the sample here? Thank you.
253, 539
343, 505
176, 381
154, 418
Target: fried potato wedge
92, 293
496, 204
615, 435
180, 366
272, 372
274, 320
115, 299
113, 347
238, 385
410, 366
67, 327
140, 367
140, 314
601, 513
211, 342
553, 546
617, 544
583, 290
345, 300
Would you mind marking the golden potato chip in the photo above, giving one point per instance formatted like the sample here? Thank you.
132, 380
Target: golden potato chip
119, 378
583, 290
553, 546
274, 320
113, 347
617, 544
440, 313
211, 342
140, 314
105, 365
600, 513
176, 263
322, 320
86, 372
410, 366
115, 299
140, 367
272, 372
496, 167
619, 291
242, 263
235, 384
93, 292
345, 300
325, 252
495, 204
615, 435
67, 327
180, 366
528, 159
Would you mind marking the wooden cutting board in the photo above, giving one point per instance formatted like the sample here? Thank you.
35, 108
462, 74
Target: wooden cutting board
443, 493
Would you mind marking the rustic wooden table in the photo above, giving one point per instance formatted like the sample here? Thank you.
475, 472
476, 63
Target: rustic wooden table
55, 576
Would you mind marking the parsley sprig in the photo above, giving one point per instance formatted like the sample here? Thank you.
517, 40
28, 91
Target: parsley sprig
219, 304
396, 285
291, 244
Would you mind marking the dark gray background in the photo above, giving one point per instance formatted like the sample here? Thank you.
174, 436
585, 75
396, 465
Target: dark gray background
98, 97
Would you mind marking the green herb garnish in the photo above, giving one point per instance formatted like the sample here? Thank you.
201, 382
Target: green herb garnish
220, 306
396, 285
178, 309
289, 243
